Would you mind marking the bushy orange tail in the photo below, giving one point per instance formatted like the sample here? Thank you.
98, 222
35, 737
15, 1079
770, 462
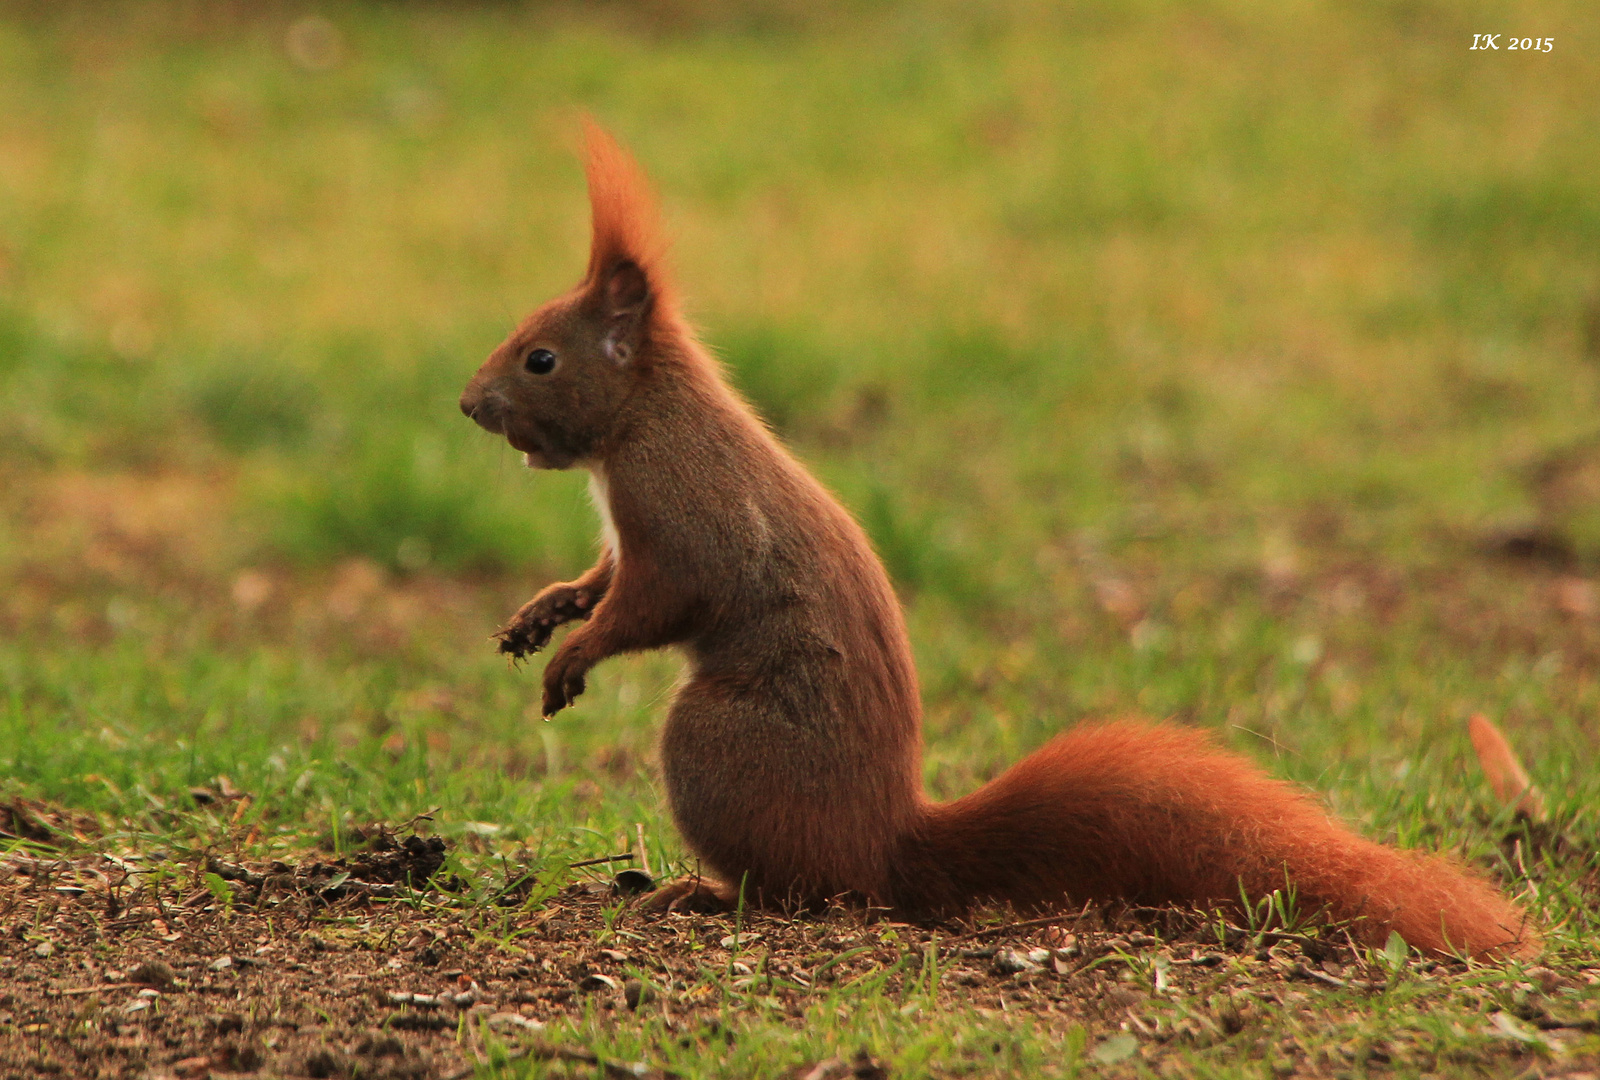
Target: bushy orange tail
1158, 814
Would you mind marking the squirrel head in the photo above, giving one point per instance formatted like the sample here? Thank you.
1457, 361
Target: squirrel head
555, 386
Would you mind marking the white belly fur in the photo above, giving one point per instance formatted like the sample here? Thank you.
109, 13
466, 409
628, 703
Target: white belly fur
600, 494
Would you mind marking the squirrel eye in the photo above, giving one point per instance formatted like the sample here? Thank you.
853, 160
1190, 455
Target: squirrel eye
540, 362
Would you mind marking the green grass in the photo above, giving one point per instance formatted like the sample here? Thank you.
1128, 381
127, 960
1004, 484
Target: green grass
1177, 357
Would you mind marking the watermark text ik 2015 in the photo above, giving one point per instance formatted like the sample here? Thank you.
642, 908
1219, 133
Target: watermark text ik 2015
1532, 44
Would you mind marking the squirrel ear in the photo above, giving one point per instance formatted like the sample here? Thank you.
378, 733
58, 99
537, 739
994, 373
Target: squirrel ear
625, 295
627, 290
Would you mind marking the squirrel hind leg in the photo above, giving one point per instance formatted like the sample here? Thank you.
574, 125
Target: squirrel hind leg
696, 895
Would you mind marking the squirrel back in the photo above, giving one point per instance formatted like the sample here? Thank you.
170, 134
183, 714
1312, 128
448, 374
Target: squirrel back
791, 754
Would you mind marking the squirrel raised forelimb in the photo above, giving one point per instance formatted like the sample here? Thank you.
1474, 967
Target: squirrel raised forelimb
791, 754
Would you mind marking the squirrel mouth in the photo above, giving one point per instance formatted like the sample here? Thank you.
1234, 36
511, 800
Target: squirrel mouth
533, 455
518, 442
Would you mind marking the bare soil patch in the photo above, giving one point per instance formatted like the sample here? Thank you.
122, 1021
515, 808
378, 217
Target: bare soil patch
363, 966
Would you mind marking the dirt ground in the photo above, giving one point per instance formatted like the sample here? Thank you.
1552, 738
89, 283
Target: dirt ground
119, 967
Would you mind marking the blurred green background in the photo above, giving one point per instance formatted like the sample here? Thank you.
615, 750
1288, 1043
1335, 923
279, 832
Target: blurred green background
1232, 360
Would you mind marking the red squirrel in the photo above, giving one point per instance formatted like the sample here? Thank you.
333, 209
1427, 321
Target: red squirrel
792, 752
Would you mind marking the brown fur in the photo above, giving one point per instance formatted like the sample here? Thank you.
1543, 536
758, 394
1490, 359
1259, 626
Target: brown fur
792, 753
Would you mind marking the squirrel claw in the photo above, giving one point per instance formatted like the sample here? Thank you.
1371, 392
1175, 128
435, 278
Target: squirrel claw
563, 682
530, 628
516, 643
554, 702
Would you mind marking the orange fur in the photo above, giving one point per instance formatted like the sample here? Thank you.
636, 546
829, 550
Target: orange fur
1157, 814
792, 753
625, 221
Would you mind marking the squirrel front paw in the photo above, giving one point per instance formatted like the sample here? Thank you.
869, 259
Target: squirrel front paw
564, 680
530, 628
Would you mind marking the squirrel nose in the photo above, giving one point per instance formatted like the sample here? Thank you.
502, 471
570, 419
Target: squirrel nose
470, 400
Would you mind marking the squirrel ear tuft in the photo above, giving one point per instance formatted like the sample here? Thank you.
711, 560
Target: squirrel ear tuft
627, 249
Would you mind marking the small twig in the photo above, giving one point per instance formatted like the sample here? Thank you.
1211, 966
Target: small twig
1305, 971
644, 856
77, 990
626, 856
1024, 925
426, 815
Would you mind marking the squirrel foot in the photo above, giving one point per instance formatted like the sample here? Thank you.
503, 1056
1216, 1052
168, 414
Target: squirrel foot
700, 896
530, 628
564, 677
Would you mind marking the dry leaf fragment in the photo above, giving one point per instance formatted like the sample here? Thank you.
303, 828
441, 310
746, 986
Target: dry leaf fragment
1501, 767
